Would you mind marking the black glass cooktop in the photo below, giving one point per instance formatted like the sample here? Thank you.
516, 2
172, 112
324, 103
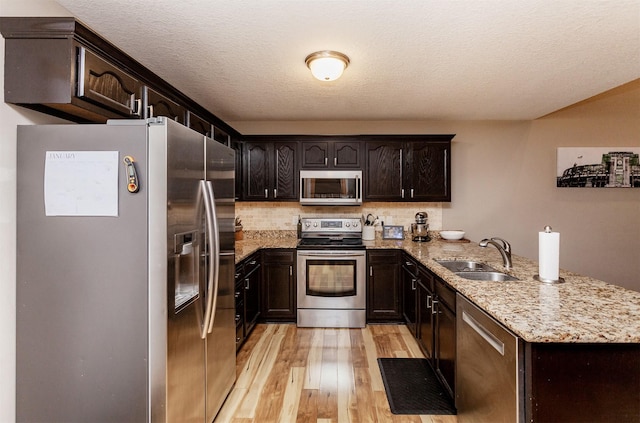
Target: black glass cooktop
353, 243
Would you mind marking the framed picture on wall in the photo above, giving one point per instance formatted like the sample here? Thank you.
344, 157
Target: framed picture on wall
598, 167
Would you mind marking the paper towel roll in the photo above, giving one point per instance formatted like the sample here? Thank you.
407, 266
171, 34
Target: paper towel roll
549, 255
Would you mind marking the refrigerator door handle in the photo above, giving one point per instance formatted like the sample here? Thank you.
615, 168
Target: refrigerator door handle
214, 255
211, 251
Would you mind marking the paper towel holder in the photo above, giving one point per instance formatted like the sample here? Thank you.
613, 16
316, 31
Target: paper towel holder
538, 278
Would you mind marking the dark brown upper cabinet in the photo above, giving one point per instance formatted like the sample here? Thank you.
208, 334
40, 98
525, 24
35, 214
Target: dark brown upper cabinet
104, 85
155, 104
199, 125
330, 154
58, 66
408, 168
270, 171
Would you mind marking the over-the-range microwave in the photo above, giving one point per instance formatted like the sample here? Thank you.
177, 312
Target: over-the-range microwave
331, 187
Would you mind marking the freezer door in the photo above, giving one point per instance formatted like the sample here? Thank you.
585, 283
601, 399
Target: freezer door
82, 327
220, 345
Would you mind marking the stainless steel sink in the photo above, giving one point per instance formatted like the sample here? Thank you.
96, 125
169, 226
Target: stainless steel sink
465, 266
492, 276
475, 270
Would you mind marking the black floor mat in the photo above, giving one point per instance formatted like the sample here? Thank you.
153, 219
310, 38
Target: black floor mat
413, 388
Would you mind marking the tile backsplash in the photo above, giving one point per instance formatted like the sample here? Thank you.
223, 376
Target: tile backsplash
260, 216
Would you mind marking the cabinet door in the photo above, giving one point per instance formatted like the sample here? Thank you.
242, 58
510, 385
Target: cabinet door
256, 171
409, 289
384, 286
155, 104
279, 285
251, 285
286, 169
446, 346
346, 155
383, 181
237, 146
199, 125
104, 84
239, 300
426, 337
428, 171
315, 155
445, 333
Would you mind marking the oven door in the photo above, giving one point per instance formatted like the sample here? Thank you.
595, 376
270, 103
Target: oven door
331, 279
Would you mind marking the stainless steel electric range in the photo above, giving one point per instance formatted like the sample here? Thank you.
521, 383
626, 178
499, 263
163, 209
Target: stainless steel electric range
331, 273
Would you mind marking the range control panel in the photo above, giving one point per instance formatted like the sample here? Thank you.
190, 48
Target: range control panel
331, 225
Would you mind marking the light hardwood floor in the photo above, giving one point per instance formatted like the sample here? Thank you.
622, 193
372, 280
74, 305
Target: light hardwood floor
290, 374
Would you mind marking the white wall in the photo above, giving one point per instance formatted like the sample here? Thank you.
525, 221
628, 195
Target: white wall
10, 116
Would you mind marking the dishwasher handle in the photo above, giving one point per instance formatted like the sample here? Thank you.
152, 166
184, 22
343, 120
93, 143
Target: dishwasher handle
483, 332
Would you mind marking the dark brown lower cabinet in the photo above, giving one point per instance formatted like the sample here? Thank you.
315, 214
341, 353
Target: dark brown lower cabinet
248, 278
445, 334
425, 317
409, 292
279, 285
384, 286
582, 382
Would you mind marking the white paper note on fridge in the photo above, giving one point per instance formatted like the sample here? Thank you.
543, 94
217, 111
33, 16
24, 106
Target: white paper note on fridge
81, 183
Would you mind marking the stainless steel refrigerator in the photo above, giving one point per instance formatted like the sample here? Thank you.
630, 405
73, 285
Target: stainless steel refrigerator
125, 264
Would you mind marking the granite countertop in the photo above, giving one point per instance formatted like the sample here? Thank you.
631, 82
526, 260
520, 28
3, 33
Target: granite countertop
581, 309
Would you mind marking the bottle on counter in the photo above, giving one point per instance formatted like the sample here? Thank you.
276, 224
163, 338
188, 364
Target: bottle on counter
299, 227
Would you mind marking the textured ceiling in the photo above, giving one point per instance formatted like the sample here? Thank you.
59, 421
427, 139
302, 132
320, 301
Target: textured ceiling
410, 59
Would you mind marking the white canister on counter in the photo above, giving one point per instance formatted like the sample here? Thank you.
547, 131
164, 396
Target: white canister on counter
368, 233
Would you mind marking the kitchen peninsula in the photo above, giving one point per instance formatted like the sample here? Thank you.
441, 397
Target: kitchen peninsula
578, 341
585, 309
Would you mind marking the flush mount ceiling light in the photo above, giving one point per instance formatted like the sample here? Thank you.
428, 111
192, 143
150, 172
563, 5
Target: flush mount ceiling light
327, 65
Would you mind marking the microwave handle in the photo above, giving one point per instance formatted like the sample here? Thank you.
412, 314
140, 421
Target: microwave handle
358, 189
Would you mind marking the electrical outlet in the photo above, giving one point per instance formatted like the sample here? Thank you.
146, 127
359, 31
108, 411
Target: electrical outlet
294, 220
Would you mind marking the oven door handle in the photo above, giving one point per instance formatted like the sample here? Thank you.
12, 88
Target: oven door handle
331, 253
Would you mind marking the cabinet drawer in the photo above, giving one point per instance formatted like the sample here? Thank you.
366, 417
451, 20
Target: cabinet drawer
409, 264
239, 297
445, 294
279, 256
251, 264
239, 335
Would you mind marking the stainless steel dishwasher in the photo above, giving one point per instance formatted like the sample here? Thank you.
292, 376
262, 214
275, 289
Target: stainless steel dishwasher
489, 371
